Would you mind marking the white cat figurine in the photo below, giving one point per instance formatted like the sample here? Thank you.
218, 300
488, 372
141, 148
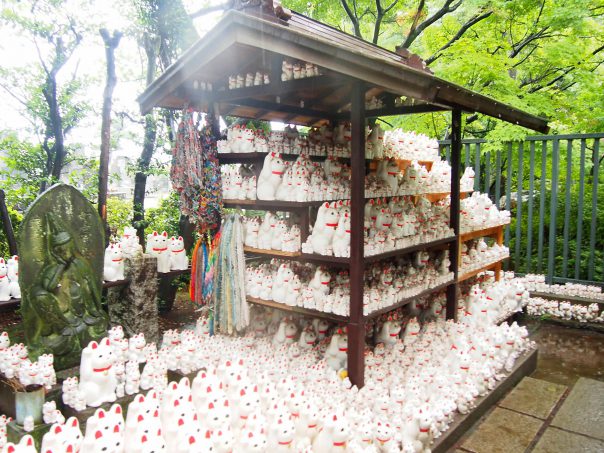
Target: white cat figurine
157, 245
97, 375
178, 255
113, 269
4, 283
13, 277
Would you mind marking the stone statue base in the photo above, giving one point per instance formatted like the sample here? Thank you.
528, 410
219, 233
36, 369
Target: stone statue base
134, 306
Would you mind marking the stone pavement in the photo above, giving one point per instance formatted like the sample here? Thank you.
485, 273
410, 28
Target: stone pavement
542, 417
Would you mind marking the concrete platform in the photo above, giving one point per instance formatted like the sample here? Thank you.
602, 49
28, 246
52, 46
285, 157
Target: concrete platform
534, 397
525, 365
503, 431
555, 440
583, 410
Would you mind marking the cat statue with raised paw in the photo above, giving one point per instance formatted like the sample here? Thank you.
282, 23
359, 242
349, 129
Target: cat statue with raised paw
13, 277
97, 374
178, 255
4, 283
113, 269
157, 245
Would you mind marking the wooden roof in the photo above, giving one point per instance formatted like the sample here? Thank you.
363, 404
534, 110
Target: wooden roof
243, 42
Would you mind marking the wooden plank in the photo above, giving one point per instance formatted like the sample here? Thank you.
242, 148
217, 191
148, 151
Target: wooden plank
487, 267
563, 297
274, 253
408, 300
413, 248
493, 232
524, 366
298, 310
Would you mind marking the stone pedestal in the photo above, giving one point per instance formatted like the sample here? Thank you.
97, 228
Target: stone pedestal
134, 306
15, 432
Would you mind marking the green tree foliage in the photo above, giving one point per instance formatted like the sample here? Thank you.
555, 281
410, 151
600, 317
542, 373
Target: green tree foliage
544, 56
48, 90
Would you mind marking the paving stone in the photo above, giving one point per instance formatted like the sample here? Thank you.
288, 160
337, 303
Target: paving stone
557, 441
534, 397
583, 410
503, 431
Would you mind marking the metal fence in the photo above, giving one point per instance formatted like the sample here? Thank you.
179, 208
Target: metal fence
551, 184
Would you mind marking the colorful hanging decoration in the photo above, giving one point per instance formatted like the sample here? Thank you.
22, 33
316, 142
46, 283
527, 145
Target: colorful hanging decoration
230, 308
195, 172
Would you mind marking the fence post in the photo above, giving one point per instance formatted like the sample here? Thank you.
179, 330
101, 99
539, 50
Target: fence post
553, 211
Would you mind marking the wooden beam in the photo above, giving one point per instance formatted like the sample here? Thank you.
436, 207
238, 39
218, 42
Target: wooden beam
356, 326
274, 88
400, 110
452, 290
274, 107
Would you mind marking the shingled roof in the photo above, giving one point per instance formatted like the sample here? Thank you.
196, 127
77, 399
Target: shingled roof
259, 39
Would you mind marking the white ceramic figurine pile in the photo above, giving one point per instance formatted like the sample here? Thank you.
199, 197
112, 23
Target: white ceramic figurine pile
305, 285
538, 306
14, 364
241, 139
271, 233
477, 254
478, 212
388, 225
491, 301
9, 279
238, 183
170, 253
536, 282
253, 397
302, 180
248, 79
410, 146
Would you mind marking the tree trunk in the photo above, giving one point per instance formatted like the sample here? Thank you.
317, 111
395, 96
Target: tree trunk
140, 178
7, 225
111, 43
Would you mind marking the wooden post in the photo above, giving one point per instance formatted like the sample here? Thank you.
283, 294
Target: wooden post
454, 219
356, 326
111, 43
7, 224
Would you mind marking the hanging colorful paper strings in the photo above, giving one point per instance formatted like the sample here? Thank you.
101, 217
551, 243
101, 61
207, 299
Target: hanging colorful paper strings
195, 173
231, 311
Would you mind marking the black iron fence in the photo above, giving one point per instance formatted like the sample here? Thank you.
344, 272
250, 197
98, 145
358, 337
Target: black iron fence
552, 185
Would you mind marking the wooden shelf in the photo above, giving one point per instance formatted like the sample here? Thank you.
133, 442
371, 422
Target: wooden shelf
274, 205
489, 267
493, 231
563, 298
11, 303
408, 300
274, 253
298, 310
325, 259
240, 158
410, 249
